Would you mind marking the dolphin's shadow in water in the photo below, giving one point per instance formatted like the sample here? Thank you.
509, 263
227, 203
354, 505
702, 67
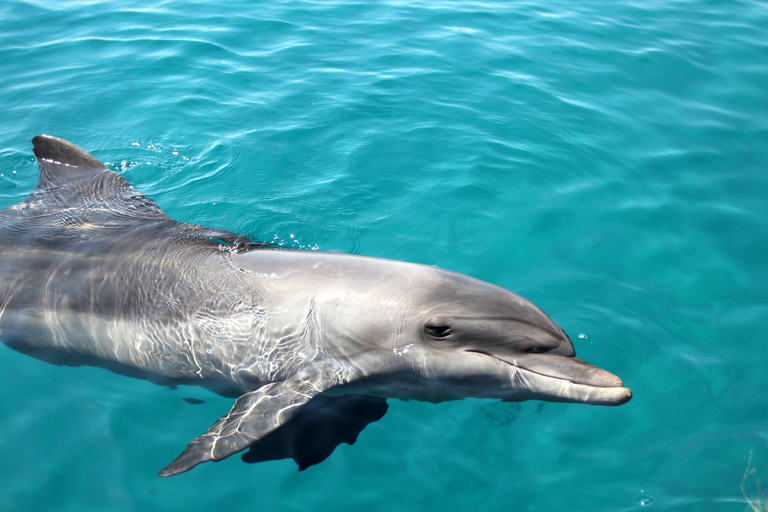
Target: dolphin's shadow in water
317, 429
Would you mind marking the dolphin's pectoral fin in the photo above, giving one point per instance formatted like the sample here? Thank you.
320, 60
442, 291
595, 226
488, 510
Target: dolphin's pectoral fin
317, 429
253, 416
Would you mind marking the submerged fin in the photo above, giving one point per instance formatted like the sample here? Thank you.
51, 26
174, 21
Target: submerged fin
317, 429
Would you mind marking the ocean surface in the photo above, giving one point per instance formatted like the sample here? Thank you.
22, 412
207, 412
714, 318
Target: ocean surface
607, 160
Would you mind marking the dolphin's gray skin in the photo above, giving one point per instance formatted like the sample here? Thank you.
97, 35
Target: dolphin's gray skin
93, 272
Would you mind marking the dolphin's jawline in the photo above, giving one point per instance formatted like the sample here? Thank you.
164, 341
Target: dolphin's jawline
520, 367
556, 378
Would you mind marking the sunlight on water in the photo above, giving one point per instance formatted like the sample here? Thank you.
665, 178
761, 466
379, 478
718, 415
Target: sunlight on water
606, 160
645, 500
754, 485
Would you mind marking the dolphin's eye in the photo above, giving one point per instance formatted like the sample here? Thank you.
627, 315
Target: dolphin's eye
534, 350
438, 330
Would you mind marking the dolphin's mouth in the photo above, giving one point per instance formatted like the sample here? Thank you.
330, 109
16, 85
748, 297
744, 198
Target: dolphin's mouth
564, 379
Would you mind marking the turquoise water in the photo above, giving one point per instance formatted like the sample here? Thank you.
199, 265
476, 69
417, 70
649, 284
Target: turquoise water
605, 159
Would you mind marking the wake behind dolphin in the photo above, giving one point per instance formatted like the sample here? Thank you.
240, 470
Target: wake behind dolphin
313, 343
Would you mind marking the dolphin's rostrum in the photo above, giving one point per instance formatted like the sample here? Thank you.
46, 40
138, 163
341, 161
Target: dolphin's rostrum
313, 343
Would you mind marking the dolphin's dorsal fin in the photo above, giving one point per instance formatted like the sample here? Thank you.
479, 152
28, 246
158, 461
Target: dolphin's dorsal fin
72, 177
59, 151
76, 190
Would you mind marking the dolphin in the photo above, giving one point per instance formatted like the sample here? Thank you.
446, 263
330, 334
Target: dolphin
312, 343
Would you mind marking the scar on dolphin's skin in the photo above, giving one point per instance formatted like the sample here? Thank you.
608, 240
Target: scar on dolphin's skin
312, 343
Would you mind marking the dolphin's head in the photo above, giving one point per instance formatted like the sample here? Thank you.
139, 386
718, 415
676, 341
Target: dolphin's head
421, 332
473, 338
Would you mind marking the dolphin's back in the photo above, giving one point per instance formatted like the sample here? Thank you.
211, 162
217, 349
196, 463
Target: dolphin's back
90, 266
